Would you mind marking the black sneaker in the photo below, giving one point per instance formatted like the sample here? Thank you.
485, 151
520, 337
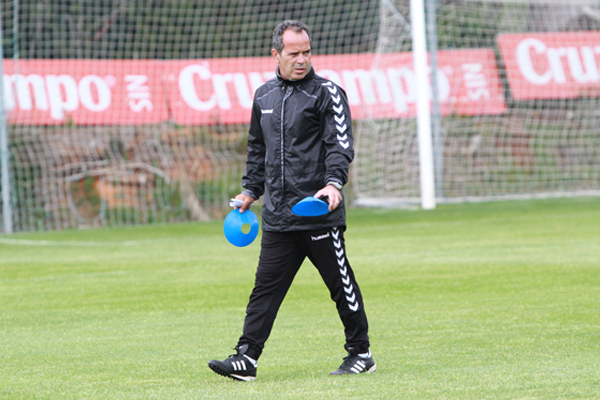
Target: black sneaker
238, 366
356, 364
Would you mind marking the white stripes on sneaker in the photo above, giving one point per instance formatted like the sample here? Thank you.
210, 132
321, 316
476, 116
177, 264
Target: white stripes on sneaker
341, 260
358, 367
239, 365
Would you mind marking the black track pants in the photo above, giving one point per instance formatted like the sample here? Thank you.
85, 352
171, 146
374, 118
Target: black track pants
282, 254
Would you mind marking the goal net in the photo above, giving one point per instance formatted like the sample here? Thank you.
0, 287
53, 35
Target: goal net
518, 87
121, 112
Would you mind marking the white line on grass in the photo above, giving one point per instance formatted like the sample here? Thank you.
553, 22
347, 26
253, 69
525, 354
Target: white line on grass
454, 222
61, 243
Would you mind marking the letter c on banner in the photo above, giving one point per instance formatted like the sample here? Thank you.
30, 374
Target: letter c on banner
188, 89
526, 65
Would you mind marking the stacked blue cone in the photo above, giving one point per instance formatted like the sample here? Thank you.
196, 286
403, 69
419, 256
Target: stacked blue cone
234, 222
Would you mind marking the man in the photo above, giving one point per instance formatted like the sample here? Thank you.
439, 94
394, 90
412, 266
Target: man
299, 145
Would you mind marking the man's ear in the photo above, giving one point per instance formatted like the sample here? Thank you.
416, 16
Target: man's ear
275, 54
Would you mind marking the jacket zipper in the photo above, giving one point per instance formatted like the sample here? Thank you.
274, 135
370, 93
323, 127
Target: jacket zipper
285, 97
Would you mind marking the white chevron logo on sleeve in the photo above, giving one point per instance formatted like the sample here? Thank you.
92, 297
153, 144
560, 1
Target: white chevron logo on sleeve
336, 99
335, 234
340, 253
341, 263
344, 271
338, 109
326, 83
344, 144
353, 307
342, 138
351, 299
348, 289
337, 243
339, 119
346, 280
332, 90
342, 128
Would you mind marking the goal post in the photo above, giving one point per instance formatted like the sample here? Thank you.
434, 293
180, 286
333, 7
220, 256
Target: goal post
419, 52
7, 225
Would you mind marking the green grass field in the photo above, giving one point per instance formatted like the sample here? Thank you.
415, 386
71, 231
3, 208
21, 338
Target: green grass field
471, 301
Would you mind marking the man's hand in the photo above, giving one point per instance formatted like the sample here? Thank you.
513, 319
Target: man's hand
247, 200
334, 196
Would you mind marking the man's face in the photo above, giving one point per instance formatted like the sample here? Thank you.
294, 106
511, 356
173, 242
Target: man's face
294, 59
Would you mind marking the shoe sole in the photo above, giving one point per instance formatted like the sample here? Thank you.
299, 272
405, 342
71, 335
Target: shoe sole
226, 374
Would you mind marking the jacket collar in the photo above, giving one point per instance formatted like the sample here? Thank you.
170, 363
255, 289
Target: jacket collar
282, 81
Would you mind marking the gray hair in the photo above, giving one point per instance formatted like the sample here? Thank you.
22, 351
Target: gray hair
296, 26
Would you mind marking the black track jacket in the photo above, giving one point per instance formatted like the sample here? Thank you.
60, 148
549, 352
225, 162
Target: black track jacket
300, 138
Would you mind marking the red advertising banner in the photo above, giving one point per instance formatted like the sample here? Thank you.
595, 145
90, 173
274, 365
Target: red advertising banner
378, 86
85, 92
220, 91
215, 91
552, 65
